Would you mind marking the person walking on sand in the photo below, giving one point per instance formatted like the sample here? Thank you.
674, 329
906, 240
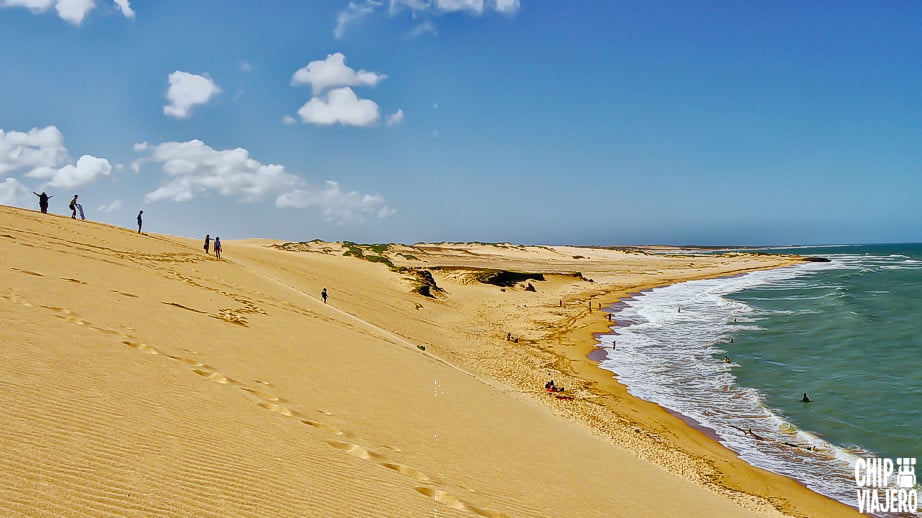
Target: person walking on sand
217, 247
207, 242
73, 207
43, 201
140, 221
323, 295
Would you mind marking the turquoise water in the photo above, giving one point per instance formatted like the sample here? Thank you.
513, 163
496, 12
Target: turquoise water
851, 337
847, 332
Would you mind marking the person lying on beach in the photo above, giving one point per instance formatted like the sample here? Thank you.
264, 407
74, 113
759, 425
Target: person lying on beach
551, 387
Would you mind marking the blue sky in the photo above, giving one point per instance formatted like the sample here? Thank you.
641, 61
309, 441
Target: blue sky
580, 122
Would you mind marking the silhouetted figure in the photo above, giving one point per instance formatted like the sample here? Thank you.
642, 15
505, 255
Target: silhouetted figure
140, 222
805, 399
43, 201
217, 247
726, 359
323, 295
73, 207
207, 242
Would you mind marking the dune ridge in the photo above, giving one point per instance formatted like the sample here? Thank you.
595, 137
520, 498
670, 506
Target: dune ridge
145, 378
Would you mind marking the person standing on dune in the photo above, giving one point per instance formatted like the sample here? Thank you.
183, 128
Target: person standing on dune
140, 222
73, 207
207, 242
43, 201
217, 247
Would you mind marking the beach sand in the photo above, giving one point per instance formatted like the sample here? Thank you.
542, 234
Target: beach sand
142, 377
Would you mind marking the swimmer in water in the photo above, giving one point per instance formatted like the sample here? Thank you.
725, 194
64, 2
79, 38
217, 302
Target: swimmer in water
805, 399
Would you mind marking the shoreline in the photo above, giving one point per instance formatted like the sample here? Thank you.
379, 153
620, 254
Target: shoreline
380, 401
732, 480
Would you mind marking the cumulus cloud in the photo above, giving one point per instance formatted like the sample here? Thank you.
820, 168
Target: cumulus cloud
474, 7
333, 72
188, 90
288, 119
111, 206
507, 6
337, 205
395, 118
193, 169
88, 169
125, 8
351, 13
29, 150
340, 106
73, 11
13, 192
41, 154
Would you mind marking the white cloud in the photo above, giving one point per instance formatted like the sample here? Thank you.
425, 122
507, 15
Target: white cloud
29, 150
41, 153
73, 11
351, 13
340, 106
471, 6
288, 119
245, 66
333, 72
125, 8
194, 169
88, 169
507, 6
13, 192
337, 205
395, 118
111, 206
141, 146
474, 7
422, 29
188, 90
413, 5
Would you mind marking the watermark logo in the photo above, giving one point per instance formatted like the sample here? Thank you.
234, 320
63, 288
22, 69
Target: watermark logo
885, 486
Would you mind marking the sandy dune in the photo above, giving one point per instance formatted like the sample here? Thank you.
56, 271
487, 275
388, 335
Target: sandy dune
141, 377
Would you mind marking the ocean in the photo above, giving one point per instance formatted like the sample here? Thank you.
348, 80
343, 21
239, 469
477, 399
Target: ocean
847, 332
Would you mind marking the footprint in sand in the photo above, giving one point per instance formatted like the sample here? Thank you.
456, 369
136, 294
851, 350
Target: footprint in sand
443, 498
144, 348
263, 395
27, 272
322, 426
180, 306
354, 449
407, 470
215, 376
279, 409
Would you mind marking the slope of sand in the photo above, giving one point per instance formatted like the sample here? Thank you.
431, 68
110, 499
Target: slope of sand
141, 377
